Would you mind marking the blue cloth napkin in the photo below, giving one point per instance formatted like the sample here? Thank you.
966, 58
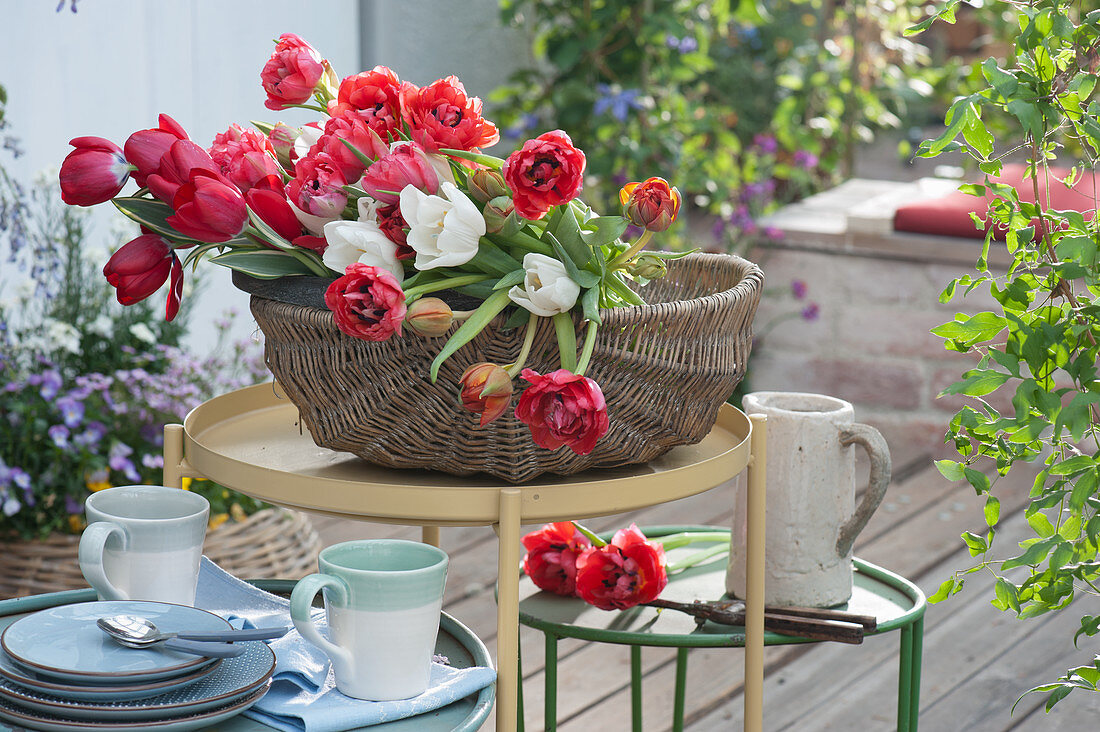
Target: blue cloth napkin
303, 696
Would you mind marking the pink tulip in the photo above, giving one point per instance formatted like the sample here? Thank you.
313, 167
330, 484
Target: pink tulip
562, 408
176, 168
441, 115
350, 126
94, 172
208, 209
273, 209
367, 302
317, 188
145, 148
407, 165
291, 74
376, 96
247, 158
140, 267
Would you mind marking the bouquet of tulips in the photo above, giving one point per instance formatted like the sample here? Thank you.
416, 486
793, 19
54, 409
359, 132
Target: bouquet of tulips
390, 194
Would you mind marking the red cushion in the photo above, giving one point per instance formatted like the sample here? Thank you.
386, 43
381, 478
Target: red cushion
950, 215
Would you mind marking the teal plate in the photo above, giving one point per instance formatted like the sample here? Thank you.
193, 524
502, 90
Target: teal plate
234, 679
65, 643
47, 723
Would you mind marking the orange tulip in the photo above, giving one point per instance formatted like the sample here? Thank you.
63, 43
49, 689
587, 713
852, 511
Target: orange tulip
486, 390
652, 204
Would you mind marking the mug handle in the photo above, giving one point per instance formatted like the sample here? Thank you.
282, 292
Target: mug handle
877, 450
90, 557
301, 606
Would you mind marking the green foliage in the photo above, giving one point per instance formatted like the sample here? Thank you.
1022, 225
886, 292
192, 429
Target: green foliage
1041, 343
743, 105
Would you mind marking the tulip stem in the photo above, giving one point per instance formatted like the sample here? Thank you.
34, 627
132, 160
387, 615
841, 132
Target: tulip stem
567, 340
698, 557
675, 541
528, 340
596, 541
636, 247
445, 284
589, 345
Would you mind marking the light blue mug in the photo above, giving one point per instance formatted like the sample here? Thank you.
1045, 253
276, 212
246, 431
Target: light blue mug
144, 542
382, 600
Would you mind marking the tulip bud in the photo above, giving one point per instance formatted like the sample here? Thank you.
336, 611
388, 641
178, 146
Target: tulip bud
429, 317
282, 139
648, 267
652, 204
500, 216
486, 390
485, 185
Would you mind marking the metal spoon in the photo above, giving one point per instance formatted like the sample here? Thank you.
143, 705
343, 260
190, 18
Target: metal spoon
138, 632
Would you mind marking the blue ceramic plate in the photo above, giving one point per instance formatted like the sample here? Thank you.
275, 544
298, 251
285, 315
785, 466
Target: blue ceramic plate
234, 679
13, 672
29, 719
65, 643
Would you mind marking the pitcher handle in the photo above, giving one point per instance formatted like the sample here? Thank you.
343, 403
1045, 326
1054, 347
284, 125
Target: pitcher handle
879, 453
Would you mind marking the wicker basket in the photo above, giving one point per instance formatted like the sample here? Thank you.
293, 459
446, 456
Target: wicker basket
665, 368
272, 543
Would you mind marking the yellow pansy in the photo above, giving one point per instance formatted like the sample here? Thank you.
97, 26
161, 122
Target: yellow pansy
186, 484
76, 523
99, 485
218, 519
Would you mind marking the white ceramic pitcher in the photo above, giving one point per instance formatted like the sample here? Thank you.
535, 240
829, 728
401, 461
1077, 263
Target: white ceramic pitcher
812, 520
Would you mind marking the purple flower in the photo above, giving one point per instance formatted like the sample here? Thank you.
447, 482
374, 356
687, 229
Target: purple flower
810, 312
21, 479
155, 462
526, 123
118, 459
773, 233
805, 159
688, 44
766, 143
72, 411
798, 289
72, 505
672, 41
51, 384
59, 433
620, 103
11, 504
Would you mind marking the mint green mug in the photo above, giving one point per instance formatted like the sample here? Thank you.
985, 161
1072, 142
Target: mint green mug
383, 598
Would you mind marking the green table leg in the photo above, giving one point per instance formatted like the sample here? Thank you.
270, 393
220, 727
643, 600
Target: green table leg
681, 690
519, 691
636, 688
917, 651
550, 703
905, 678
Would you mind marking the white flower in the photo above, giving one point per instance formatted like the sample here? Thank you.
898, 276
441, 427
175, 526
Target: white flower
311, 133
63, 336
360, 241
547, 289
443, 231
314, 224
142, 332
101, 326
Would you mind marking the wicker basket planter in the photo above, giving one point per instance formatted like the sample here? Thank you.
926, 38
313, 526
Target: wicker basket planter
665, 369
272, 543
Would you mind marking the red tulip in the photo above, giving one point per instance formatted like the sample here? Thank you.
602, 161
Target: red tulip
318, 186
291, 74
627, 572
486, 390
208, 209
376, 96
441, 115
176, 167
652, 204
349, 126
562, 408
145, 148
367, 302
545, 172
94, 172
551, 559
140, 267
273, 209
407, 165
247, 158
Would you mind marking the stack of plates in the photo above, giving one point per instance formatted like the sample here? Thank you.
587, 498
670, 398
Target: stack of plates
60, 672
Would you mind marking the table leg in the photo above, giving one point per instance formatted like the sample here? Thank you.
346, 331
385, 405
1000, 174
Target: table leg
430, 535
917, 652
754, 574
905, 675
550, 687
681, 690
173, 456
636, 688
508, 609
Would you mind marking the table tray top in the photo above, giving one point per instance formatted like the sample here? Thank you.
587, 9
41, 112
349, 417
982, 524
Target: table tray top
455, 641
252, 440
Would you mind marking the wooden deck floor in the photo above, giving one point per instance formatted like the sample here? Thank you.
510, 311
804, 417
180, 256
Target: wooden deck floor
977, 660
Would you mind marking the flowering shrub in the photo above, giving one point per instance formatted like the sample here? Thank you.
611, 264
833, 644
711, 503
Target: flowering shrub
389, 195
86, 386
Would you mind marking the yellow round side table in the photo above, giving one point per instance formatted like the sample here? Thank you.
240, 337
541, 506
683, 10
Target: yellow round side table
251, 440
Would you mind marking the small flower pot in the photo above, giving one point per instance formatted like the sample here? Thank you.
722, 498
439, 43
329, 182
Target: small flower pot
665, 368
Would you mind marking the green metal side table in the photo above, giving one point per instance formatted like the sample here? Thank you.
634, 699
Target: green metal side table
455, 641
896, 602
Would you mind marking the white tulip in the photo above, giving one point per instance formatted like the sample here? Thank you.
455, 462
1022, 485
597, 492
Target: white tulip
310, 134
363, 242
314, 224
444, 230
547, 289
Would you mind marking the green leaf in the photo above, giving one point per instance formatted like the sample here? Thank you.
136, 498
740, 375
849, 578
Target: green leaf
153, 215
992, 511
975, 543
1004, 82
1006, 594
590, 305
582, 277
262, 264
978, 479
1033, 555
978, 382
264, 127
489, 161
606, 230
1041, 524
951, 470
1029, 115
469, 329
945, 12
1072, 466
969, 330
514, 277
363, 157
567, 232
490, 258
1083, 489
946, 589
1061, 555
